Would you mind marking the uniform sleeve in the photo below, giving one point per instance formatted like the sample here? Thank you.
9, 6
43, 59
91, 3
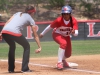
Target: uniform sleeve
32, 22
54, 24
75, 24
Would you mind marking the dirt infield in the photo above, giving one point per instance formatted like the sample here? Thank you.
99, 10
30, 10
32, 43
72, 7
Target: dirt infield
88, 65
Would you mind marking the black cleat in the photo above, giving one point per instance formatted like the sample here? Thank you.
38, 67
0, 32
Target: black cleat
11, 71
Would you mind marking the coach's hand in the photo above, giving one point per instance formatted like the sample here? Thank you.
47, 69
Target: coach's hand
41, 35
38, 50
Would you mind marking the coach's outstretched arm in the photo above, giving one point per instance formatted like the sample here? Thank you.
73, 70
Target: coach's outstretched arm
45, 31
36, 39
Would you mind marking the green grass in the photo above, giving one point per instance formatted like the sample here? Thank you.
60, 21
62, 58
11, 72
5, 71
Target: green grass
86, 47
49, 49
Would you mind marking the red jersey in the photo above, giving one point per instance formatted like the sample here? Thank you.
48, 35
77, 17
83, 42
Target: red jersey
62, 28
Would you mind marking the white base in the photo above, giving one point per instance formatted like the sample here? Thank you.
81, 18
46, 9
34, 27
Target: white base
73, 65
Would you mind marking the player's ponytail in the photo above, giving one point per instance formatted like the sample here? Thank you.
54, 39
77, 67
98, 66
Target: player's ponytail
71, 21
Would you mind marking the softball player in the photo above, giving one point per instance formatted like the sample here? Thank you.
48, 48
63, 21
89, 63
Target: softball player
63, 26
11, 33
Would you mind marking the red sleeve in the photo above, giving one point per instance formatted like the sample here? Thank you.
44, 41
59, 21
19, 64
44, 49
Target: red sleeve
56, 23
75, 24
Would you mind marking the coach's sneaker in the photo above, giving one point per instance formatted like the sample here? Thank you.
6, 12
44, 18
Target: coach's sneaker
65, 64
59, 66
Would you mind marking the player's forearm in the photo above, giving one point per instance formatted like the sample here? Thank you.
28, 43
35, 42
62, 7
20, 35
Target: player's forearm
48, 28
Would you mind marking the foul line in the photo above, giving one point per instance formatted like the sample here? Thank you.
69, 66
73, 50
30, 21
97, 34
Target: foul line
88, 71
79, 70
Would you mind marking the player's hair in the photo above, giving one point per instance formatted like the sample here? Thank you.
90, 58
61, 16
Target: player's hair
71, 21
